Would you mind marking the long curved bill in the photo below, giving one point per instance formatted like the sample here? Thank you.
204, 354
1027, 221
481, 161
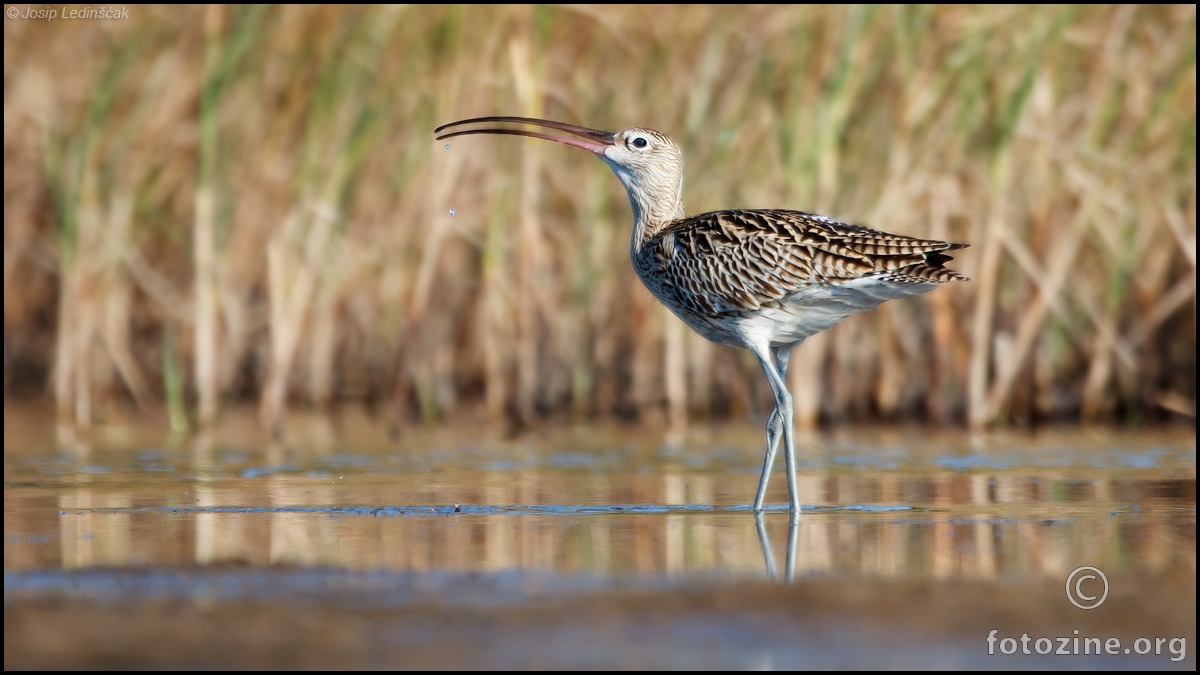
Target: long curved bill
581, 137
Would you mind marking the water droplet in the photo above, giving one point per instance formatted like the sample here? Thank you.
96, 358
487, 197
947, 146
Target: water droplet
453, 212
447, 146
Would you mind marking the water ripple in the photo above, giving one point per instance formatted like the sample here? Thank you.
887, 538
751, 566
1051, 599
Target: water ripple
491, 510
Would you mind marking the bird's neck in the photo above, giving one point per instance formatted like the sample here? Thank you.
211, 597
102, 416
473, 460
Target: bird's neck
652, 211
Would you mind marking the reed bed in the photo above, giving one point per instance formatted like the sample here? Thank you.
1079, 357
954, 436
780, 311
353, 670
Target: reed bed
215, 205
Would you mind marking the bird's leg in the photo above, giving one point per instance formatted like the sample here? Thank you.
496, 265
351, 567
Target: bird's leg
784, 413
789, 446
774, 431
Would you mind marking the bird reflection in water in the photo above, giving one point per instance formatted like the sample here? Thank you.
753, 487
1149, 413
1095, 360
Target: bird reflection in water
789, 574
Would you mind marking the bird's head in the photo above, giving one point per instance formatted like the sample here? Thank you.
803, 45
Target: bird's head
648, 163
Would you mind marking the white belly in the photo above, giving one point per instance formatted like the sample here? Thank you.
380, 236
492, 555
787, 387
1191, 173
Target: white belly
801, 315
804, 314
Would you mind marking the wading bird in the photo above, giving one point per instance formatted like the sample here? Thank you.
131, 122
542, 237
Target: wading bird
760, 279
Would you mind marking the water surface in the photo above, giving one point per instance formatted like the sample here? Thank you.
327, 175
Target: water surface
587, 546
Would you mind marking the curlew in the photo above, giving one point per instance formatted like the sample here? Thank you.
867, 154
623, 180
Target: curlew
760, 279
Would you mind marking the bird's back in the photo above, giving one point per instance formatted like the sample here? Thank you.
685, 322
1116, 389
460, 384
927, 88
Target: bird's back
789, 273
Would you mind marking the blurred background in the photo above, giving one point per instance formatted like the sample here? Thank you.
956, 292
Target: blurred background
238, 218
207, 207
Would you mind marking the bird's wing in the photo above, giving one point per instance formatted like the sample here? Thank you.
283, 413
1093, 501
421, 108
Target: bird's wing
737, 260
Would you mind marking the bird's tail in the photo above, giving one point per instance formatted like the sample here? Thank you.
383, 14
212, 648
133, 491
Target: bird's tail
932, 269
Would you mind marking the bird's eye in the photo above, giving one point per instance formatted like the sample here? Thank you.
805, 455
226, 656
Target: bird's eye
639, 142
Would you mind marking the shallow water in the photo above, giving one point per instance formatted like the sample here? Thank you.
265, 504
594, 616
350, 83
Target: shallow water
587, 546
